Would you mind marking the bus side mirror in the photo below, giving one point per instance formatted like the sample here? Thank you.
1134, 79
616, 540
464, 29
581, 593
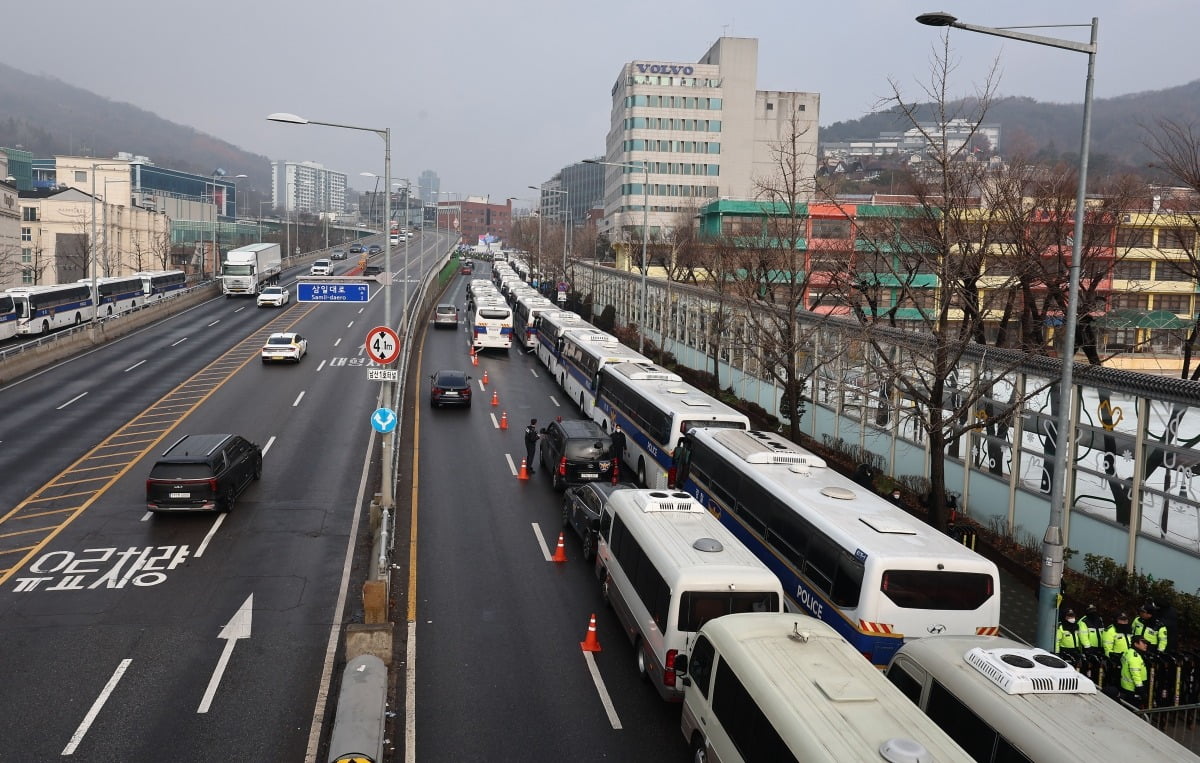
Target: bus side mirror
681, 664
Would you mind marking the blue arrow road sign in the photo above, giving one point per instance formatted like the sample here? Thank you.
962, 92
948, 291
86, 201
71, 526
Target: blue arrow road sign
383, 420
333, 292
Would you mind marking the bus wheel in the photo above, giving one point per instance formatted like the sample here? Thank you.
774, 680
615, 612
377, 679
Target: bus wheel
45, 327
699, 751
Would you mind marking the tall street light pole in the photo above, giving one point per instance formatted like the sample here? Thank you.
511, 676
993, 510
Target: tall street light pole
1052, 543
260, 206
92, 244
387, 494
407, 185
217, 173
645, 168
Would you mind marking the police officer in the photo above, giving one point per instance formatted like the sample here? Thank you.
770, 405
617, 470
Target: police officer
1147, 624
1133, 673
1091, 625
531, 441
1116, 638
1066, 641
618, 445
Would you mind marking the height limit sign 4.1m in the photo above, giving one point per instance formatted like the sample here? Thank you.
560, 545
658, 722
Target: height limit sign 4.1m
383, 345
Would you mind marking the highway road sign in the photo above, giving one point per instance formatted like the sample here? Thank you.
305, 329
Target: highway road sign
333, 292
383, 346
383, 374
383, 420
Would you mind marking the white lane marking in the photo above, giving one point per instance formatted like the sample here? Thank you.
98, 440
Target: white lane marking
238, 627
243, 307
298, 399
64, 405
511, 466
495, 423
218, 320
537, 531
351, 323
88, 719
270, 441
181, 341
212, 532
320, 365
135, 365
410, 694
339, 341
556, 405
481, 387
533, 371
602, 691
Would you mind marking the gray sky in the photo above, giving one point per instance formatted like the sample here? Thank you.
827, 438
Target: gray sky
495, 97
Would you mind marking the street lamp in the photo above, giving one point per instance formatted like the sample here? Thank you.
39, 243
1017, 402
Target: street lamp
387, 499
92, 243
562, 215
1052, 543
645, 168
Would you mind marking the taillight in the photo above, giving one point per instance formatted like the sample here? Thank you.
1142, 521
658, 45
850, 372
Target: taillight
212, 484
669, 668
466, 392
562, 467
438, 390
671, 474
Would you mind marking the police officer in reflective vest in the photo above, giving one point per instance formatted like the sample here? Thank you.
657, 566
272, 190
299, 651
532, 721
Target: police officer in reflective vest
1066, 642
1133, 673
1091, 625
1147, 624
1116, 638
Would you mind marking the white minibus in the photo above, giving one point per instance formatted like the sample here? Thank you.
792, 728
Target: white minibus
667, 567
785, 688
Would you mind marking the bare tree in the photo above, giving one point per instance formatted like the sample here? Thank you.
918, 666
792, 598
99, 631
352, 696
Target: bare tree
675, 252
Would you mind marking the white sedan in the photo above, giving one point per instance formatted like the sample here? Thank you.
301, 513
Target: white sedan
273, 296
284, 346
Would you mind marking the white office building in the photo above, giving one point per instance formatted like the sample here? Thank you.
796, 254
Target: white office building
307, 187
703, 132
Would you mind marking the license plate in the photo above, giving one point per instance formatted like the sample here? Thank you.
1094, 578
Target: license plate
451, 393
588, 475
181, 495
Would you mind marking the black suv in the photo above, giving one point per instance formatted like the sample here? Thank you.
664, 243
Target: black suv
203, 472
577, 451
581, 511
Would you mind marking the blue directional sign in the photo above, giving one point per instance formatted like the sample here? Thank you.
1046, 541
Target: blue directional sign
383, 420
333, 292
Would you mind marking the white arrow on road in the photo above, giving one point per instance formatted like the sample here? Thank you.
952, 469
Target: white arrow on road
238, 627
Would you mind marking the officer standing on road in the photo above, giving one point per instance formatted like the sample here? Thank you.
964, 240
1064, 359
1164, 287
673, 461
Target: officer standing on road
1066, 642
1147, 624
531, 441
618, 444
1133, 673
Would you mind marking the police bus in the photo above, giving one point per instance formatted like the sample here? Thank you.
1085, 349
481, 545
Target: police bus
655, 407
491, 326
117, 295
1004, 701
158, 284
786, 688
8, 317
550, 327
41, 309
847, 556
584, 353
667, 567
525, 313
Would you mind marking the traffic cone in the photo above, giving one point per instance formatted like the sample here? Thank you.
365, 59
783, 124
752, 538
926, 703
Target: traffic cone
474, 357
495, 397
560, 553
485, 379
524, 473
591, 644
504, 420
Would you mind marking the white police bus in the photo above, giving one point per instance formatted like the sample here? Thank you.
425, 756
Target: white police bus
655, 408
117, 295
787, 688
667, 567
8, 317
159, 284
584, 353
41, 309
845, 555
551, 325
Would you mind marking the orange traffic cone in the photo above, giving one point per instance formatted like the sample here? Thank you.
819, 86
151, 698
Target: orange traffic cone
495, 397
485, 379
591, 644
560, 553
474, 357
504, 420
524, 473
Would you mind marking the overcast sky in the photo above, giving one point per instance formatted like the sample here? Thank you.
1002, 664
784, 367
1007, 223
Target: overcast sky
495, 97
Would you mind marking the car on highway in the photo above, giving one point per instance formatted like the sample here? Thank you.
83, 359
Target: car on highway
445, 314
337, 254
321, 267
203, 472
374, 249
575, 451
394, 239
371, 271
468, 268
449, 387
356, 249
287, 345
273, 296
581, 511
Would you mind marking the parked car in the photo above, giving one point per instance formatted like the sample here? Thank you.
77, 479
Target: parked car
273, 296
445, 315
581, 511
203, 472
284, 346
321, 267
337, 254
449, 387
575, 451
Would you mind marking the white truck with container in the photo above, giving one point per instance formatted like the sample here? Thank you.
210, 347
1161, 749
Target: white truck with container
249, 268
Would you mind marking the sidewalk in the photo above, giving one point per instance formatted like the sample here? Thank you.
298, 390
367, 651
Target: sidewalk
1018, 609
